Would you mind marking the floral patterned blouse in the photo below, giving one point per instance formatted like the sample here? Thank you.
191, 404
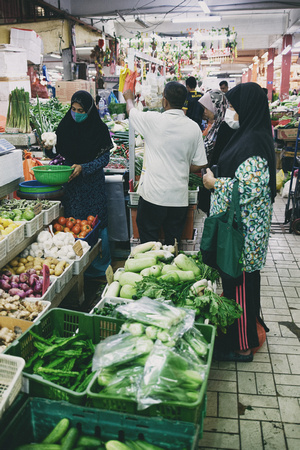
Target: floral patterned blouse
256, 208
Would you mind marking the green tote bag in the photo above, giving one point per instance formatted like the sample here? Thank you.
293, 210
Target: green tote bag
223, 241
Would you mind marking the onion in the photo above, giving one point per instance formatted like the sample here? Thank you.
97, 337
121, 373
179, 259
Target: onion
18, 292
23, 278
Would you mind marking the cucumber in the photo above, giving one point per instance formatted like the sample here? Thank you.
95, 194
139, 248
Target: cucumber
39, 447
58, 432
70, 440
89, 441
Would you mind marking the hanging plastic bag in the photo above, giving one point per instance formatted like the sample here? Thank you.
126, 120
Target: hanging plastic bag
112, 98
28, 163
279, 179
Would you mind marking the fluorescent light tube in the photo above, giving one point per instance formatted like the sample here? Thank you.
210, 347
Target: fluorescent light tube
141, 22
55, 55
204, 7
84, 48
197, 19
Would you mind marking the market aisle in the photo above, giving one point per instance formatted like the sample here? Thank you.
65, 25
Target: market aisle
257, 405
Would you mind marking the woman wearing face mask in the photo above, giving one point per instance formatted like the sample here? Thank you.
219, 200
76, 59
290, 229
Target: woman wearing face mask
84, 141
248, 157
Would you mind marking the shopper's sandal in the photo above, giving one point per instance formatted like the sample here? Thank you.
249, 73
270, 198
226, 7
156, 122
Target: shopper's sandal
232, 356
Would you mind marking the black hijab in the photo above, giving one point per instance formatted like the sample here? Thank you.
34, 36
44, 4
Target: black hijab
82, 142
254, 137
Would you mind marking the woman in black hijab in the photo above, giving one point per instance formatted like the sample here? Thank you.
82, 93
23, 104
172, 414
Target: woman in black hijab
248, 157
84, 141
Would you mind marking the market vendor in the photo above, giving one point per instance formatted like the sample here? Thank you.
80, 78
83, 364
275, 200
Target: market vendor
84, 141
173, 148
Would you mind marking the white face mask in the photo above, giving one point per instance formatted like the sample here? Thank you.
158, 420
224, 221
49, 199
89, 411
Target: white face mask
229, 119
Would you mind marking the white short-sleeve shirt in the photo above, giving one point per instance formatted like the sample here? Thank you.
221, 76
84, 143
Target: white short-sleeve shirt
172, 143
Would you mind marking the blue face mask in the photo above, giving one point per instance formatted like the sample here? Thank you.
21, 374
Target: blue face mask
79, 117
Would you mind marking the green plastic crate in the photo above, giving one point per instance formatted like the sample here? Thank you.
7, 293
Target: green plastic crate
186, 412
38, 416
63, 323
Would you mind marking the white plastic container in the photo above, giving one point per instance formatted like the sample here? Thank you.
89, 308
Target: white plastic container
64, 278
15, 237
10, 380
3, 248
112, 301
52, 213
34, 225
193, 197
80, 263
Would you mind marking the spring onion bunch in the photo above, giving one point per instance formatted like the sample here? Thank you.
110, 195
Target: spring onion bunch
18, 111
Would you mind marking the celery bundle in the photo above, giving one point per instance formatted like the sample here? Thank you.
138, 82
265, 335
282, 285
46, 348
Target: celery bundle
18, 111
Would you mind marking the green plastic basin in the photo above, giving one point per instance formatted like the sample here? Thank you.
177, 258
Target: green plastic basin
53, 175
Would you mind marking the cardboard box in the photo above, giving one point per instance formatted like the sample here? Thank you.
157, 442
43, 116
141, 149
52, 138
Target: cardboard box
65, 89
11, 323
287, 134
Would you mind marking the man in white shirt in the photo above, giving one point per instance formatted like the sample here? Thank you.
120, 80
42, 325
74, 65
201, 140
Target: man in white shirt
173, 148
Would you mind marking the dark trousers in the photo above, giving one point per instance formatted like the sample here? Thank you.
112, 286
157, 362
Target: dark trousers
151, 218
242, 334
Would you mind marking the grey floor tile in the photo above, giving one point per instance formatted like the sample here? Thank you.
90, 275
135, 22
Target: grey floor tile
265, 384
214, 440
289, 409
280, 364
292, 430
212, 404
228, 405
251, 435
294, 361
220, 425
247, 383
273, 435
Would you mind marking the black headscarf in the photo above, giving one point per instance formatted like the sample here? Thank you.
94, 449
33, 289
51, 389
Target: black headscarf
254, 137
82, 142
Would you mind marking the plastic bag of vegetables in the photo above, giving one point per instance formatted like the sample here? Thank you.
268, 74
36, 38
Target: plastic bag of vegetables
153, 312
121, 382
119, 349
170, 376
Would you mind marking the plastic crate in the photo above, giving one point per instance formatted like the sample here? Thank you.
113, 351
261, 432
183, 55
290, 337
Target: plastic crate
189, 244
134, 198
112, 301
52, 213
3, 245
187, 412
193, 196
62, 323
34, 225
92, 237
37, 417
10, 380
64, 278
79, 264
15, 237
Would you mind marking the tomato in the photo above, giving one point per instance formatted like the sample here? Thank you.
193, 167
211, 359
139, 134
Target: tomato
84, 222
71, 219
58, 227
90, 223
76, 229
78, 221
86, 228
82, 234
62, 220
91, 219
75, 235
69, 224
67, 230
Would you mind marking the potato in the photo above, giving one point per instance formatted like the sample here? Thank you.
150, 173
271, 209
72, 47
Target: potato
29, 265
59, 268
14, 263
52, 271
52, 266
22, 261
55, 261
20, 269
47, 263
37, 267
30, 258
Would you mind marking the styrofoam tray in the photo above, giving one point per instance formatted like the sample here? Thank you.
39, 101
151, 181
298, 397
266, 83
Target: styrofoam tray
15, 237
10, 380
52, 213
111, 301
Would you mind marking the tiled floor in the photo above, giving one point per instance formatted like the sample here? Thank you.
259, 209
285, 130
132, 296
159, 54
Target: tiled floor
257, 405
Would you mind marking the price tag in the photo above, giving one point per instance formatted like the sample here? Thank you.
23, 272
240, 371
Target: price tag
109, 275
77, 247
176, 247
46, 278
37, 208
